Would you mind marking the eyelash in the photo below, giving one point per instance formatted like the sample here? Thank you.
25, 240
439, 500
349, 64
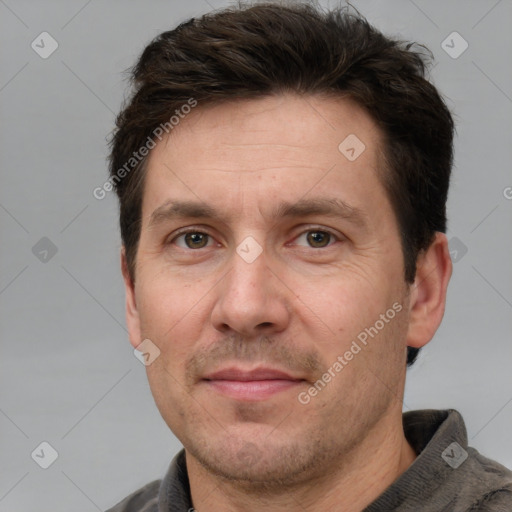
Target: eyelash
309, 230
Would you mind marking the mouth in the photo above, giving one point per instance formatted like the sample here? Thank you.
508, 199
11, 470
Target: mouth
252, 385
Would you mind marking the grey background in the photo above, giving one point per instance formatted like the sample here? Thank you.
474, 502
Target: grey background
68, 375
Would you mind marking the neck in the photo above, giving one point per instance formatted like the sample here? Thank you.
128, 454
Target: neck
347, 485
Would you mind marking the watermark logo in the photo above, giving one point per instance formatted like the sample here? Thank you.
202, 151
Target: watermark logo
351, 147
454, 455
457, 248
146, 352
44, 250
249, 454
454, 45
44, 455
249, 249
44, 45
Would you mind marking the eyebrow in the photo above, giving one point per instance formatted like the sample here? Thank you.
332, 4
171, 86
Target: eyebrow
330, 207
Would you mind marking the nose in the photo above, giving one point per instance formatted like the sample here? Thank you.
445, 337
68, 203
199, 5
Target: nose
251, 300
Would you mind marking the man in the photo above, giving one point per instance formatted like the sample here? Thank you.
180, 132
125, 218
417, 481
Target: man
282, 176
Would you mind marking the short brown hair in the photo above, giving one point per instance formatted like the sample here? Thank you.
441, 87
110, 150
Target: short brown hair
255, 51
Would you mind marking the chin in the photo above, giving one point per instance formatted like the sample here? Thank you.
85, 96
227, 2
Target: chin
256, 465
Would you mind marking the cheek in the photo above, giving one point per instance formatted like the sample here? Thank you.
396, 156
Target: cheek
346, 308
170, 317
163, 299
341, 299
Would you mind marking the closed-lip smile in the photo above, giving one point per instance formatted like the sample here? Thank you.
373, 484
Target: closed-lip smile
250, 385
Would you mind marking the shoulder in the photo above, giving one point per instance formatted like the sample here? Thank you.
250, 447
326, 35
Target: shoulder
498, 500
497, 482
143, 500
454, 476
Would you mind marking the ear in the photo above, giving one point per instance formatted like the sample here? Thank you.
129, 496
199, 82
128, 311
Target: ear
132, 314
428, 293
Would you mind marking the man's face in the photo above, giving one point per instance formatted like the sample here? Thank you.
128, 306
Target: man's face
277, 279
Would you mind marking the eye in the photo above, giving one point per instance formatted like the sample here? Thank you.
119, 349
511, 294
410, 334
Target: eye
192, 240
317, 238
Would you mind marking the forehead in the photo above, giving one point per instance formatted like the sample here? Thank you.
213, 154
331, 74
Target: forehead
282, 122
251, 151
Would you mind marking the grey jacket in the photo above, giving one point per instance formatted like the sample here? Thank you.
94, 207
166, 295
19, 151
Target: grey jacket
447, 475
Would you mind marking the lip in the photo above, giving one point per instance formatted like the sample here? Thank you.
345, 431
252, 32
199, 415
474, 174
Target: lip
234, 373
251, 385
